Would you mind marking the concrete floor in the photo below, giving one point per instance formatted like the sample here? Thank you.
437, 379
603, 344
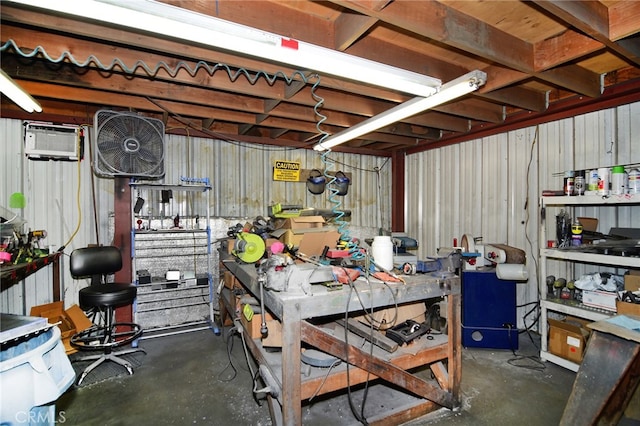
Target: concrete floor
188, 379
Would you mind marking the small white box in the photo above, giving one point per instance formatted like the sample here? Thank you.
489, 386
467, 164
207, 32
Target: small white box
600, 299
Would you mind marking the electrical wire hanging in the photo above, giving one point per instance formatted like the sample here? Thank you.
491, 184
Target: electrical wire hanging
172, 71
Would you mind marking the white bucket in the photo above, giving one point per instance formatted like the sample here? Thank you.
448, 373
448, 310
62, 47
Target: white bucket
382, 251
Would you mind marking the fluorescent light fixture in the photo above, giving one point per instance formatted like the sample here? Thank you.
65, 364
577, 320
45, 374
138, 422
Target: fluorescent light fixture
449, 91
17, 94
177, 23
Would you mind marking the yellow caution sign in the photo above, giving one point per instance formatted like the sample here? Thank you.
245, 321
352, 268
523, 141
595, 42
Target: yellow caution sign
288, 171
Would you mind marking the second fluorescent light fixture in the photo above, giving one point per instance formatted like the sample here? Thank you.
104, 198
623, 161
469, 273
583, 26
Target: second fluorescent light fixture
17, 94
177, 23
448, 92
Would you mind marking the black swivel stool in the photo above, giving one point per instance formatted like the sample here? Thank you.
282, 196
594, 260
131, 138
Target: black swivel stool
101, 298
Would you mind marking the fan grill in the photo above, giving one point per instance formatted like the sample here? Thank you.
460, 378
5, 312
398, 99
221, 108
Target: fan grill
128, 144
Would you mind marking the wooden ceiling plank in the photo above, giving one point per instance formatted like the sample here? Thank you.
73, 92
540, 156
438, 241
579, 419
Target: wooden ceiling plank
564, 48
577, 79
270, 16
385, 52
624, 19
591, 17
349, 27
444, 24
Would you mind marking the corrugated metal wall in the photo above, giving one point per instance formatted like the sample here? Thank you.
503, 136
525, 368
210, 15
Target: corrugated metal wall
490, 187
241, 176
487, 187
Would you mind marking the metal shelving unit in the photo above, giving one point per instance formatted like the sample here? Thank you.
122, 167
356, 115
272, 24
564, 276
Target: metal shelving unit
576, 256
167, 305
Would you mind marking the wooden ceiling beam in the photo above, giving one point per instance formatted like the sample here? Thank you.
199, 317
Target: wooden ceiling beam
345, 120
592, 18
474, 109
576, 79
267, 16
48, 23
349, 27
530, 100
446, 25
141, 103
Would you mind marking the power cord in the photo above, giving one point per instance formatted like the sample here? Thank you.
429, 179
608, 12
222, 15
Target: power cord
228, 339
537, 365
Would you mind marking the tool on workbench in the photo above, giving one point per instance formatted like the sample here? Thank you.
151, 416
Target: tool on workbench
407, 331
248, 247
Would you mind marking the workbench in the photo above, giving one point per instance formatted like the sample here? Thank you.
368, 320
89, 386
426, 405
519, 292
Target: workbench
304, 318
11, 274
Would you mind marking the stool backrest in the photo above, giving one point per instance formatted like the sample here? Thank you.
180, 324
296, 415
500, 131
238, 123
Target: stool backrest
95, 262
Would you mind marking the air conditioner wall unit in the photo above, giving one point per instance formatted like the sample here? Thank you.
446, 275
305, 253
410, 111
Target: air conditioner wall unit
56, 141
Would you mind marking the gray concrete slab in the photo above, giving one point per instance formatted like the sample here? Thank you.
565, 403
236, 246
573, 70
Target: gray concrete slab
201, 378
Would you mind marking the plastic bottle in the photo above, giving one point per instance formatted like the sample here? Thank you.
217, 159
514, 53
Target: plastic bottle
634, 182
382, 251
618, 178
592, 182
603, 181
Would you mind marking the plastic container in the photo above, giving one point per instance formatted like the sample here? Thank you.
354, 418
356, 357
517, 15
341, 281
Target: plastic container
33, 374
382, 251
618, 180
592, 180
634, 182
603, 181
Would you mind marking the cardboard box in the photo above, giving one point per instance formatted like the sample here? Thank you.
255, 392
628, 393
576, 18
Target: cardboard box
628, 308
632, 280
568, 338
383, 319
252, 327
274, 335
600, 299
310, 241
230, 281
301, 222
71, 321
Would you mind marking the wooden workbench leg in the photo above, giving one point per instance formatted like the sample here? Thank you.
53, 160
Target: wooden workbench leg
291, 378
57, 293
454, 347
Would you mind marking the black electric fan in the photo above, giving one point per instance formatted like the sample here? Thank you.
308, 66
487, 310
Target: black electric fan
129, 145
